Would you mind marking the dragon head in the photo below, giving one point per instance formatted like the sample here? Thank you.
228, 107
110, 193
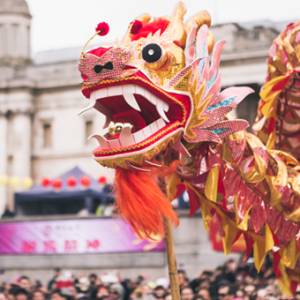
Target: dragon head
157, 87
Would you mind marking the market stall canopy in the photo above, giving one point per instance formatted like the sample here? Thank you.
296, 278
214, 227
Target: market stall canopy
69, 193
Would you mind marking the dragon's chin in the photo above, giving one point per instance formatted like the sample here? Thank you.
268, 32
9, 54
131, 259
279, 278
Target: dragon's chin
142, 119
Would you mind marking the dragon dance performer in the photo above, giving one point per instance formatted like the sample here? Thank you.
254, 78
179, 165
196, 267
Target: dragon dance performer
167, 131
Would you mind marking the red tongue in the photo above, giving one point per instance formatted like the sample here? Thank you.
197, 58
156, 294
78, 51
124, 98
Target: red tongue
132, 117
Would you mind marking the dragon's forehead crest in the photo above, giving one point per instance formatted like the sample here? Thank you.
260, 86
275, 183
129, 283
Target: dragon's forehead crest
152, 45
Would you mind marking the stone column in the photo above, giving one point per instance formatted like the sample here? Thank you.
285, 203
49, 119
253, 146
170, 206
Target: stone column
22, 144
3, 161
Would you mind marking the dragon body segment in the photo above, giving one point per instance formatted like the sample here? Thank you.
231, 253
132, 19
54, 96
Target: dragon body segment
278, 121
160, 90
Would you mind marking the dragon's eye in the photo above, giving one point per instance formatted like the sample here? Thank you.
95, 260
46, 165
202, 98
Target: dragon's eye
152, 53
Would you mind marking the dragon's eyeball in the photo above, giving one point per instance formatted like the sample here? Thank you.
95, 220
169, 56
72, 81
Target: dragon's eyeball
155, 56
151, 53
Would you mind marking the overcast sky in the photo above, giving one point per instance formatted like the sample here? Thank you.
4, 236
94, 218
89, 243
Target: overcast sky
67, 23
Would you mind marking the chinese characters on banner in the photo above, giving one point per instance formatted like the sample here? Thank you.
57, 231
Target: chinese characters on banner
72, 236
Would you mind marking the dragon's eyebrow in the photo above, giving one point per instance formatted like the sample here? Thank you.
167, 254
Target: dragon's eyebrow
103, 56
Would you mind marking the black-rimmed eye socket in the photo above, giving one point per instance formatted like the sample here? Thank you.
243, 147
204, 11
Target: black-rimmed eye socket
151, 53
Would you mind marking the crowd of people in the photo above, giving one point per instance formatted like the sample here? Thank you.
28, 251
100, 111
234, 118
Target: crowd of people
231, 281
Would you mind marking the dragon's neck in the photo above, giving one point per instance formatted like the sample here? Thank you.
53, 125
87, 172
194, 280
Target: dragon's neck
288, 114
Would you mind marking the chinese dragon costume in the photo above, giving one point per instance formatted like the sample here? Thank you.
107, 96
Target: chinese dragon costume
167, 131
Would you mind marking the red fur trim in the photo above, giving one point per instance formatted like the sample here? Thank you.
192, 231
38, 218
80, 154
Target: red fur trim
152, 27
141, 202
102, 28
136, 26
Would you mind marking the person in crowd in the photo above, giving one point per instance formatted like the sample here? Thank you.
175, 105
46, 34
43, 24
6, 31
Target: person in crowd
25, 283
58, 295
182, 278
159, 292
198, 297
225, 292
102, 293
204, 293
38, 295
2, 296
52, 281
116, 291
22, 294
168, 296
187, 293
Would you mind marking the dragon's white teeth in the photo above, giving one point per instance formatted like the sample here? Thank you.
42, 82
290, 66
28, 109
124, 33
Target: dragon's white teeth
114, 91
161, 110
139, 136
126, 137
160, 123
131, 101
103, 142
154, 101
161, 106
107, 122
151, 98
126, 130
114, 143
100, 94
151, 163
90, 106
139, 90
138, 168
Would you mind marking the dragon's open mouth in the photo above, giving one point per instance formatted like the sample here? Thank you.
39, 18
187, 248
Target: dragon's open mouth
138, 115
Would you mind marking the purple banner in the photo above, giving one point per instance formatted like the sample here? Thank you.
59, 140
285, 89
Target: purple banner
72, 236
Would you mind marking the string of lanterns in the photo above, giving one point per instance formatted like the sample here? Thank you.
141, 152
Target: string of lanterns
71, 182
16, 182
57, 183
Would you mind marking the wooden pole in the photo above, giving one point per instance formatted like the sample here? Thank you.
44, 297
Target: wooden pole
175, 292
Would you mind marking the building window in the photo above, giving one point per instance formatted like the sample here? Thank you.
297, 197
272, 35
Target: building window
89, 125
15, 36
47, 134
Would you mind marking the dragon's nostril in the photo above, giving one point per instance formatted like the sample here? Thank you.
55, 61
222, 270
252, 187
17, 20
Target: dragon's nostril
98, 69
109, 65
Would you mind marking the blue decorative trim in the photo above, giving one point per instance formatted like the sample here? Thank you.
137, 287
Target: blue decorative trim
219, 130
225, 102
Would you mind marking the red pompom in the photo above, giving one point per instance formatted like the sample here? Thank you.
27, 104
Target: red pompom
57, 183
102, 28
102, 180
136, 26
71, 182
85, 181
45, 182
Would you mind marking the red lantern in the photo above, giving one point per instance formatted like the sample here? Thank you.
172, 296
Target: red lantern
71, 182
57, 183
45, 182
85, 181
102, 180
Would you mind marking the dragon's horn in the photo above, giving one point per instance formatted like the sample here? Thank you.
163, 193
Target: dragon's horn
176, 29
197, 20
